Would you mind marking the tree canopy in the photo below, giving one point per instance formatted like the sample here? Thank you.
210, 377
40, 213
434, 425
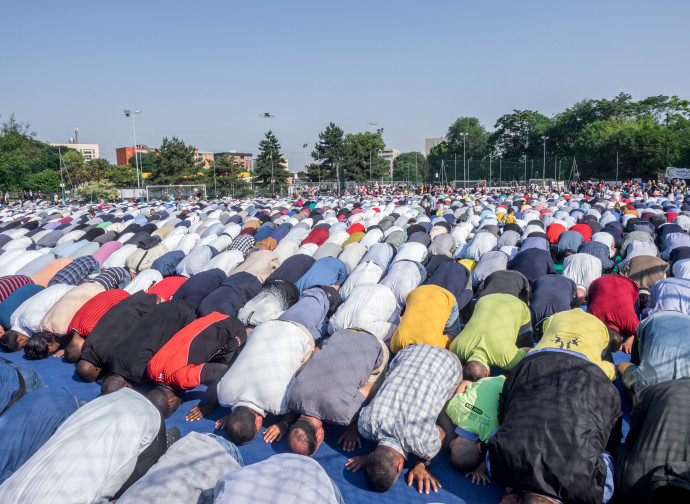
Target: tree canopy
270, 162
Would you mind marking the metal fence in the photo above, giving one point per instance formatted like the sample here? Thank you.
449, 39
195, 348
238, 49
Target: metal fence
161, 192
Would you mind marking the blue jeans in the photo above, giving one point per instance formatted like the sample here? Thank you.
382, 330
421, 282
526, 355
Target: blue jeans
229, 447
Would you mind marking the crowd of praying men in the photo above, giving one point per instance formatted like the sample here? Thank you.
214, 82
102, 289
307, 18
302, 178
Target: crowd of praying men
477, 325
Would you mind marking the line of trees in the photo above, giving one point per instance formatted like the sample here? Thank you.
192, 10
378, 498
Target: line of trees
645, 136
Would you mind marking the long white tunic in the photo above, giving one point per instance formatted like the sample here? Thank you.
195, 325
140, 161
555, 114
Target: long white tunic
90, 456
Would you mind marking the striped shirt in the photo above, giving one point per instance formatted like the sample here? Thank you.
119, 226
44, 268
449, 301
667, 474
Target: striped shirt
88, 315
76, 271
8, 284
403, 413
110, 278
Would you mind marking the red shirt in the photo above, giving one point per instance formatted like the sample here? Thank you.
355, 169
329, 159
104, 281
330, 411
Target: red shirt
8, 284
167, 287
584, 230
612, 300
91, 312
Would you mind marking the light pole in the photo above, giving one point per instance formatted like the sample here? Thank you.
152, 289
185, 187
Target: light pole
267, 116
131, 113
545, 138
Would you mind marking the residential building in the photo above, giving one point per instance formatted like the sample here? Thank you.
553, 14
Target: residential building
430, 143
89, 151
389, 155
124, 153
244, 159
206, 157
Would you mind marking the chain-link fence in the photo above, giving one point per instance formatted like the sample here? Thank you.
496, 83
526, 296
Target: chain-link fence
164, 192
498, 171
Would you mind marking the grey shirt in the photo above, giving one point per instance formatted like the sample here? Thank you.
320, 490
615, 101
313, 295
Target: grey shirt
327, 388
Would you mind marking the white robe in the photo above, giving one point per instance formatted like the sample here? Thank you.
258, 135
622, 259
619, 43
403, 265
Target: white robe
90, 456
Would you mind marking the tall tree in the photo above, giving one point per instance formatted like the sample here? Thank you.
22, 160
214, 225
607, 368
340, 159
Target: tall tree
519, 133
176, 163
329, 151
270, 162
121, 176
409, 166
228, 172
21, 155
476, 142
361, 159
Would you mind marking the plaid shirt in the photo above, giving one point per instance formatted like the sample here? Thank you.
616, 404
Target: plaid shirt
403, 413
112, 277
76, 271
243, 243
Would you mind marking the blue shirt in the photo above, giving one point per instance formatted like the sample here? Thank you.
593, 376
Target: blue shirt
9, 305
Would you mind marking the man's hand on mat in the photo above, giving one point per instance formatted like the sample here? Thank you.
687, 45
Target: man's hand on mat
424, 478
354, 464
627, 345
220, 423
350, 438
200, 411
480, 475
59, 353
275, 432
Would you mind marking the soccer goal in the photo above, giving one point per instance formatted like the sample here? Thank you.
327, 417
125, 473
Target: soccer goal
178, 192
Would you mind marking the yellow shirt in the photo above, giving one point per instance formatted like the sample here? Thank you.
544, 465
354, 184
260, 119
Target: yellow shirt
509, 219
491, 334
578, 331
427, 310
468, 263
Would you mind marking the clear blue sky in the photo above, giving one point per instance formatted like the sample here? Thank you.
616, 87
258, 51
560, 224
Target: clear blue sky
204, 71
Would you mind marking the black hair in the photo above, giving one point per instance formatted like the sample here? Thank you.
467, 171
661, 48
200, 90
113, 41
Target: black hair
380, 471
305, 433
241, 426
112, 383
615, 340
8, 341
159, 398
72, 352
38, 347
84, 370
473, 371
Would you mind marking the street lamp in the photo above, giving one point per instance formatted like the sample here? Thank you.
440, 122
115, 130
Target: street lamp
131, 113
545, 138
267, 116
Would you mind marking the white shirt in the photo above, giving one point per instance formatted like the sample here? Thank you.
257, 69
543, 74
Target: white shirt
370, 307
260, 376
91, 454
118, 258
144, 281
27, 318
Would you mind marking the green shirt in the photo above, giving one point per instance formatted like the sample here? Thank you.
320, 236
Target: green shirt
490, 335
476, 409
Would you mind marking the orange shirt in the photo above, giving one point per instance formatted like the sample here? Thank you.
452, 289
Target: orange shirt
44, 276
